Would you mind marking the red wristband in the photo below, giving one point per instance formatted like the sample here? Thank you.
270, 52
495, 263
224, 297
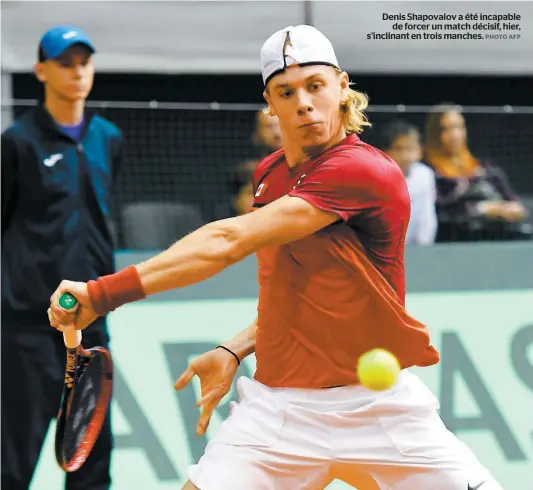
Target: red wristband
107, 293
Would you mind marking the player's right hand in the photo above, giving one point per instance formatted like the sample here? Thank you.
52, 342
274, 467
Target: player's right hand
80, 317
216, 370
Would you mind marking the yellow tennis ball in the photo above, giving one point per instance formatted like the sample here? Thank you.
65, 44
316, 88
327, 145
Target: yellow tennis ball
378, 369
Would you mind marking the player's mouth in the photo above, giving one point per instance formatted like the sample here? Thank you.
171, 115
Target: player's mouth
310, 125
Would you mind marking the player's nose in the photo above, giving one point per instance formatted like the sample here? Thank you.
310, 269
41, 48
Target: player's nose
304, 103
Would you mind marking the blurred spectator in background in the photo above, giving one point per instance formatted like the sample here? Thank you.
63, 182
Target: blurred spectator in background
402, 143
241, 190
59, 163
267, 139
267, 134
475, 200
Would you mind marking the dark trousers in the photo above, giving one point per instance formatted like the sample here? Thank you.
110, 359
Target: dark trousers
33, 365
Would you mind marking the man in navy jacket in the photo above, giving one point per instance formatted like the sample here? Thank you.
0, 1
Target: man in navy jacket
59, 163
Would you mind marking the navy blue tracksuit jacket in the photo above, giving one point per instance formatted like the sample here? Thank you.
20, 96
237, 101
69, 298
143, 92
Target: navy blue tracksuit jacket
56, 203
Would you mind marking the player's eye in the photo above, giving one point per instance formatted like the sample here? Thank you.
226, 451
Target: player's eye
286, 94
65, 63
315, 86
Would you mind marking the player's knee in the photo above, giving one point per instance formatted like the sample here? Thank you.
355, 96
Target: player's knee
190, 486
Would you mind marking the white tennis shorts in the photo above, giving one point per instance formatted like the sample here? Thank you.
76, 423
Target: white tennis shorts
294, 439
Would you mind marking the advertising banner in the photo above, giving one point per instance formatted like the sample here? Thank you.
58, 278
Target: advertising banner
484, 382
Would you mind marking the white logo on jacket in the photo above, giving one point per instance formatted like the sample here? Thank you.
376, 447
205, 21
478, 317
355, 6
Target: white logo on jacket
52, 160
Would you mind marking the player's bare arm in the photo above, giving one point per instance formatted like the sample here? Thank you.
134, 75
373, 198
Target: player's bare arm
243, 344
205, 253
214, 247
216, 370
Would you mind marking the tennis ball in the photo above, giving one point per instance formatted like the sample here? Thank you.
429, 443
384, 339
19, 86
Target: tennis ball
378, 369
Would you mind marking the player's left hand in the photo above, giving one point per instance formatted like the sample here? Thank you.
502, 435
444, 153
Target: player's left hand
216, 370
80, 317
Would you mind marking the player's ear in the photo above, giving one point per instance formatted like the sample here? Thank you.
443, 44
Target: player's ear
268, 100
39, 71
345, 82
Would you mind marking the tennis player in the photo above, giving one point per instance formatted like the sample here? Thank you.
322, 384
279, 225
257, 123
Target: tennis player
329, 230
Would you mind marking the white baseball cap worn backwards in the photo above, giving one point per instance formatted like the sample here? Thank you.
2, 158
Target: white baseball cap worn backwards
301, 45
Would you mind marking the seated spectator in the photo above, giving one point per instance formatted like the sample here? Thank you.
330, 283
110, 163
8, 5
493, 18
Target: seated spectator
241, 190
474, 198
267, 134
402, 143
267, 139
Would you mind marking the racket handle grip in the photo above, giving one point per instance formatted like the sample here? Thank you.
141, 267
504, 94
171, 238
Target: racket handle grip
67, 301
72, 338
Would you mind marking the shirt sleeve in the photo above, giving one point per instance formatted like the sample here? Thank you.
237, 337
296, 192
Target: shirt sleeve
9, 178
342, 185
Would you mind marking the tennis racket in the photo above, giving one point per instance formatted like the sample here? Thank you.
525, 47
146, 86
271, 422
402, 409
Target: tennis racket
85, 400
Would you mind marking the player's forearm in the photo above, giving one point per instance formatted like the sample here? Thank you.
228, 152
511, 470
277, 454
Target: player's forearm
198, 256
243, 344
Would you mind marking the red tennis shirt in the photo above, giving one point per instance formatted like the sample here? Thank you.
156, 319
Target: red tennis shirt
327, 299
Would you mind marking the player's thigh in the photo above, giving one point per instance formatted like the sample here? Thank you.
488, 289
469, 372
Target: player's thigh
246, 468
252, 449
406, 445
407, 475
427, 455
356, 477
190, 486
423, 453
435, 477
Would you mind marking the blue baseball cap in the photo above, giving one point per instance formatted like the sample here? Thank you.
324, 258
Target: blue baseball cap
56, 40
